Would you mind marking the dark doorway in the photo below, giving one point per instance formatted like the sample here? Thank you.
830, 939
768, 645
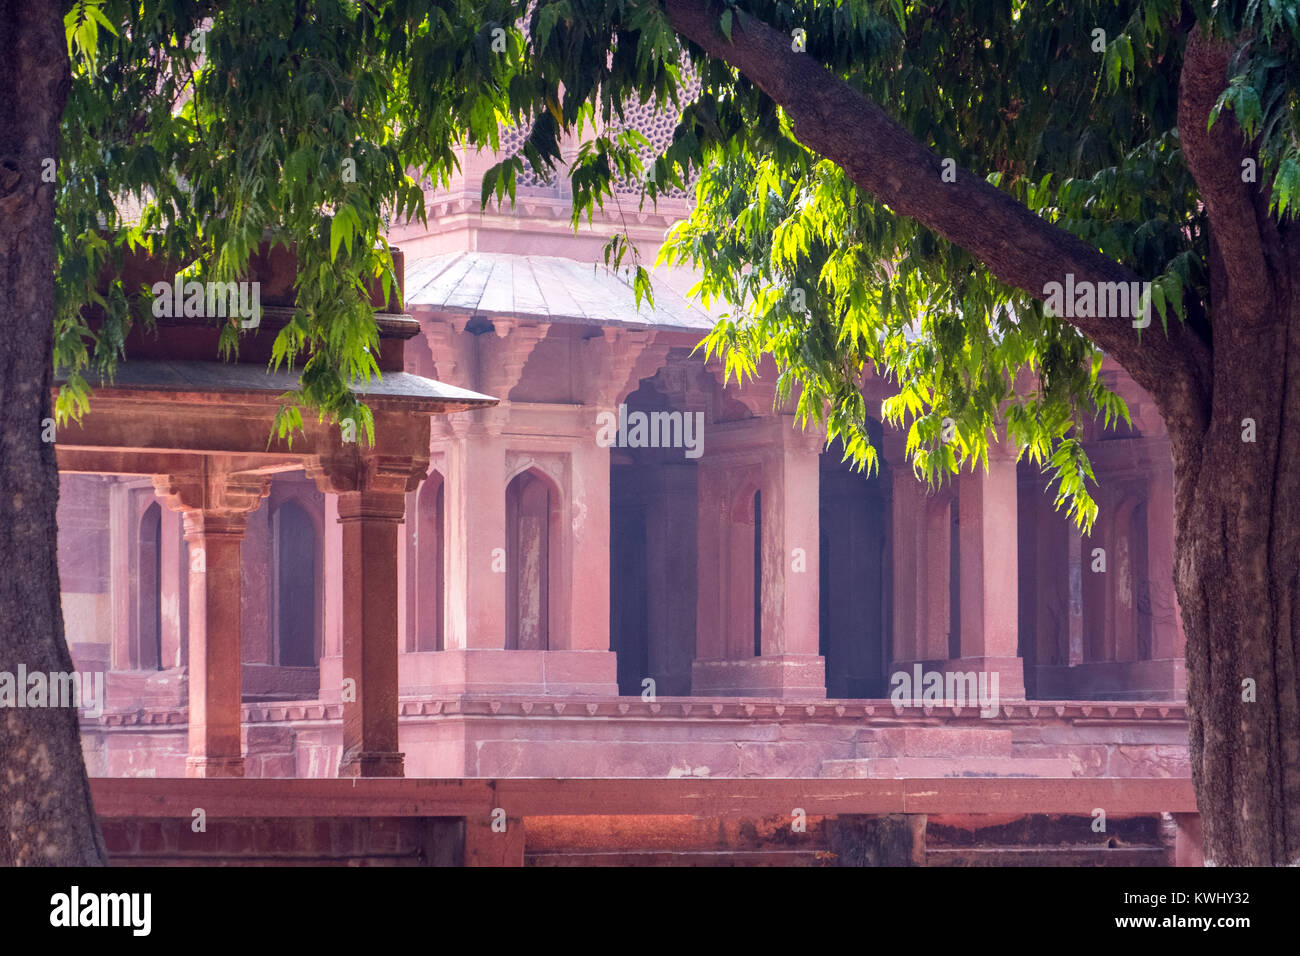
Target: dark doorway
852, 579
295, 586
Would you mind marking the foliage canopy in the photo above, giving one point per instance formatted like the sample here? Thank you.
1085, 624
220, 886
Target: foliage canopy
1069, 107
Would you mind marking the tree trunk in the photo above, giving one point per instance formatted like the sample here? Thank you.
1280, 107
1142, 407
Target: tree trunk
1237, 574
45, 803
1237, 501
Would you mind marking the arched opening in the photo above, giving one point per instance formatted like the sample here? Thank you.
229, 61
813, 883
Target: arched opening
853, 585
430, 579
148, 603
653, 544
296, 614
532, 560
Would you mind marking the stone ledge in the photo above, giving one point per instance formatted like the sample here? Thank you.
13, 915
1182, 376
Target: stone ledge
883, 712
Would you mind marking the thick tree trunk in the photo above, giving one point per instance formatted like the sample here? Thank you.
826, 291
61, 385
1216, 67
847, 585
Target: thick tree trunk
1237, 508
1237, 573
46, 814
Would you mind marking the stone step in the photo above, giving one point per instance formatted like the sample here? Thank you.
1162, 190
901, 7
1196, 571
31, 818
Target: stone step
902, 767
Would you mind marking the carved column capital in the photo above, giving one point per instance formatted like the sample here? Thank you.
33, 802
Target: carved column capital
349, 470
213, 502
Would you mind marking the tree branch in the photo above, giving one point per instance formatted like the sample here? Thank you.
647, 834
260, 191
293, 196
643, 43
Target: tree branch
1214, 157
1019, 248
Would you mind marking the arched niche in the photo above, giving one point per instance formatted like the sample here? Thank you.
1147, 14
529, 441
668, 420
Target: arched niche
534, 561
430, 577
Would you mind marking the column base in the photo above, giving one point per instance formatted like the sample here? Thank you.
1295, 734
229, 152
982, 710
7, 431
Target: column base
214, 766
373, 764
1010, 673
787, 675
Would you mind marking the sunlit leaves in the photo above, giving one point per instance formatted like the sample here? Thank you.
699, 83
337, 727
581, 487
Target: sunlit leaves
293, 122
81, 28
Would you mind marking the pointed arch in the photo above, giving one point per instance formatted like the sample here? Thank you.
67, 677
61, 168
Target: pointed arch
430, 565
534, 561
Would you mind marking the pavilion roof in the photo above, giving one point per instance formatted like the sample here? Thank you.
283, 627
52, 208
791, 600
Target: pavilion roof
549, 288
233, 380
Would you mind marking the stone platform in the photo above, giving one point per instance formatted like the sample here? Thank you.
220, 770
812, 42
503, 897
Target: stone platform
522, 736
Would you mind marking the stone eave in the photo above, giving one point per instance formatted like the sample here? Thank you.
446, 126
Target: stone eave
224, 383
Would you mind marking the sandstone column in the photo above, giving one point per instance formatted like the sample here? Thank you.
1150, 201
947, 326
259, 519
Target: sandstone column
371, 488
474, 506
370, 521
990, 572
216, 506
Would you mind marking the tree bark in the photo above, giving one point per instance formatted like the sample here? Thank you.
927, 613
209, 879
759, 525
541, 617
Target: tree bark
1237, 502
1237, 510
45, 804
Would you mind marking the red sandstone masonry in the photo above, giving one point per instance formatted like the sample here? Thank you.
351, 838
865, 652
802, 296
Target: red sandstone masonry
728, 822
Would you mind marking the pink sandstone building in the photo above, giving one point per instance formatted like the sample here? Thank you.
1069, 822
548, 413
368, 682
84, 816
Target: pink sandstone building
577, 551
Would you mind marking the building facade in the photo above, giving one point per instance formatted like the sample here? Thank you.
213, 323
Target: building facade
630, 566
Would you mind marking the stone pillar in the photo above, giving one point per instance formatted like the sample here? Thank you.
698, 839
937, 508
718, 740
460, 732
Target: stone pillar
121, 577
589, 547
370, 521
371, 488
788, 481
216, 506
332, 549
791, 555
990, 573
935, 617
474, 509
